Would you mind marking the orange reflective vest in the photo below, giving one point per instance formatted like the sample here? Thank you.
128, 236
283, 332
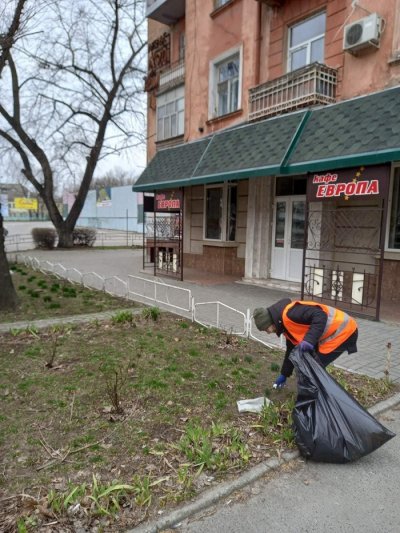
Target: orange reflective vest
338, 329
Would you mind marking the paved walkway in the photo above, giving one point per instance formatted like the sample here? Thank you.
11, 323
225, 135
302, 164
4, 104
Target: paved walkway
374, 337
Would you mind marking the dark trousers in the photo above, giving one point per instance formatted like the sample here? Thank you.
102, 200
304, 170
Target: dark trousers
349, 346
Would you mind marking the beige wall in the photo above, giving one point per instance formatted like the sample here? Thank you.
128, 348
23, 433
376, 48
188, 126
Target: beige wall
227, 257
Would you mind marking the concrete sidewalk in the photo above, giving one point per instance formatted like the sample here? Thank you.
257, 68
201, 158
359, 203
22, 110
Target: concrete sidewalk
374, 336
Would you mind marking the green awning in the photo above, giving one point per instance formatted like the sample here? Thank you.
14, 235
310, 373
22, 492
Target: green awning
237, 153
171, 166
361, 131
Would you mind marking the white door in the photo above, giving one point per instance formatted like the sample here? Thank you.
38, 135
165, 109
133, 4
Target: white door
288, 238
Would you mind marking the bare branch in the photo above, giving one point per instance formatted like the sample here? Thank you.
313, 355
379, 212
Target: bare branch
7, 40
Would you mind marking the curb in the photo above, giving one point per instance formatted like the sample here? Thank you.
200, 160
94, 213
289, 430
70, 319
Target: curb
214, 495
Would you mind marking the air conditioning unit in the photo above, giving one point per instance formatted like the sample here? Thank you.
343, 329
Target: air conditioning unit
363, 33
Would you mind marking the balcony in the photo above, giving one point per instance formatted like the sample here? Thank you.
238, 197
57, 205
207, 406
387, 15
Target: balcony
165, 11
308, 86
172, 76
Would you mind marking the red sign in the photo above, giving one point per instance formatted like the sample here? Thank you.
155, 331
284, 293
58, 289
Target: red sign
170, 200
350, 183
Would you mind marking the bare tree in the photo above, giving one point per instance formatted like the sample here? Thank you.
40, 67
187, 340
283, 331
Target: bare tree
11, 16
117, 177
73, 95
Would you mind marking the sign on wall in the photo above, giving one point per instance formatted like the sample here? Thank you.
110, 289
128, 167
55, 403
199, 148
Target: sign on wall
103, 197
168, 201
361, 182
26, 203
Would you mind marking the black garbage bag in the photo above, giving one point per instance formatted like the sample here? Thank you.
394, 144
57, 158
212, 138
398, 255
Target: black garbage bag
329, 424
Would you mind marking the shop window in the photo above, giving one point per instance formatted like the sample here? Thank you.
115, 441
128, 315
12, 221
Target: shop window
225, 84
171, 114
394, 226
220, 212
307, 42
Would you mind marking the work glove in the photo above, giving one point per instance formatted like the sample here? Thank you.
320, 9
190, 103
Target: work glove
305, 346
279, 382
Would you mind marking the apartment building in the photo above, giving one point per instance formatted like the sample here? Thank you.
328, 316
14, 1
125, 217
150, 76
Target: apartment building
274, 145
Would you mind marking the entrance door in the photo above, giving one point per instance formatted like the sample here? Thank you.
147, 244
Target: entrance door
288, 238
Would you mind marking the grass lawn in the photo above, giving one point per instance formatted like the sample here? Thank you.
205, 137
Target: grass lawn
42, 296
104, 424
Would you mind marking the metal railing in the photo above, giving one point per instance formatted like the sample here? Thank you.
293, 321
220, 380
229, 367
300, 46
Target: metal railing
19, 243
311, 85
174, 299
173, 75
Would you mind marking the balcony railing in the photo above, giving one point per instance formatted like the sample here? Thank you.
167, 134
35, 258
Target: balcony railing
311, 85
172, 76
165, 11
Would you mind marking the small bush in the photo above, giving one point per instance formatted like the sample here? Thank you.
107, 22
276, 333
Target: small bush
84, 236
122, 316
152, 313
44, 237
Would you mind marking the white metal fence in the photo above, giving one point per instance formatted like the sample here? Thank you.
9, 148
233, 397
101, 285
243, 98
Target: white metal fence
176, 299
109, 238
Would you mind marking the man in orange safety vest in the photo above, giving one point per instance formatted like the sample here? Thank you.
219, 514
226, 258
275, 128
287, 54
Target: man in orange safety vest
313, 327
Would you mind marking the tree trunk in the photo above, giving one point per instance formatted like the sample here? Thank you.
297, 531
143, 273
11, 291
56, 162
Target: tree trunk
65, 238
8, 296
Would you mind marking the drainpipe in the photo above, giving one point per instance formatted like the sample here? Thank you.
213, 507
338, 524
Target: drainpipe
257, 42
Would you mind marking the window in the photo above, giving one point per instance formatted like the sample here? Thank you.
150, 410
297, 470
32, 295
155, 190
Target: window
182, 46
394, 225
225, 84
170, 114
306, 42
220, 212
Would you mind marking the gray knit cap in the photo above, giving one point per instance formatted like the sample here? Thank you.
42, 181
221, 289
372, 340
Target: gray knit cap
262, 318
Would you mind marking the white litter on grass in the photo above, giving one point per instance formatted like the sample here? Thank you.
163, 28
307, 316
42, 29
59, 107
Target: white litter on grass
253, 405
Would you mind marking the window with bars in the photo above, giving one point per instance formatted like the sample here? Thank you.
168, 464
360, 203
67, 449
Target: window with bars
307, 42
170, 114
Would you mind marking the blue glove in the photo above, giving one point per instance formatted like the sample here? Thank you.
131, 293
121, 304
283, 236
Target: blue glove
279, 382
305, 346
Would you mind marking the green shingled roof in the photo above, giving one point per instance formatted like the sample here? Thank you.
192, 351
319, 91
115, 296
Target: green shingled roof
254, 149
237, 153
171, 165
364, 130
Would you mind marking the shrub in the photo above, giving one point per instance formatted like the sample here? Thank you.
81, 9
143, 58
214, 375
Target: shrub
44, 237
122, 316
152, 313
84, 236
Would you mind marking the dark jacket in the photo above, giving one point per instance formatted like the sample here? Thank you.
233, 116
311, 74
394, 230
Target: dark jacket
312, 315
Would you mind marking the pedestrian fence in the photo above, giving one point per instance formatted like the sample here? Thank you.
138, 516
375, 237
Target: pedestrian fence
176, 299
108, 238
163, 293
